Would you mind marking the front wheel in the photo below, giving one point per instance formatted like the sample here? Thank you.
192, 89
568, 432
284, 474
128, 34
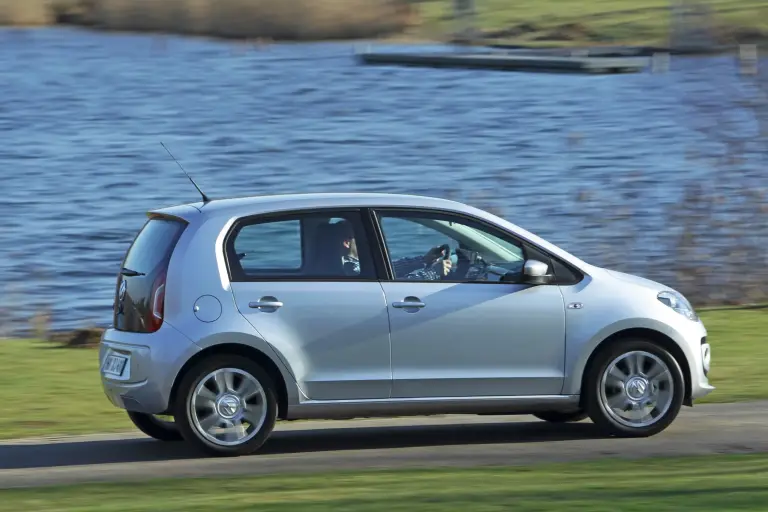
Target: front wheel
634, 389
155, 427
226, 406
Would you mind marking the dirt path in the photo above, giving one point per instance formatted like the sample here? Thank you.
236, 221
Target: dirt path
389, 443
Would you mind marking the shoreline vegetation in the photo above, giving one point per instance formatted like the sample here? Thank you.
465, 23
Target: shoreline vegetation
546, 23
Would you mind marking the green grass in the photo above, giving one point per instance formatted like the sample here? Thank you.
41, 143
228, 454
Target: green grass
595, 21
739, 354
697, 484
61, 391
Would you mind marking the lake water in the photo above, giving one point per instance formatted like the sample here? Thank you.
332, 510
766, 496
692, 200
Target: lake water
82, 116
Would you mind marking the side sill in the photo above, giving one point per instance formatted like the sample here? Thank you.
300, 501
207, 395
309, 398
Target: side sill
347, 409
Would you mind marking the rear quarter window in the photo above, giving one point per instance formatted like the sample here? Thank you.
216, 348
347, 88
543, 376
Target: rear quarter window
141, 285
153, 245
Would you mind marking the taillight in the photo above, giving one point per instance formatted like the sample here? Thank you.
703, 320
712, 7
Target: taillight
157, 306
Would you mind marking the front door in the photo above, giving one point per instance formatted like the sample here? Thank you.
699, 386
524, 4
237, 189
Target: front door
459, 329
325, 314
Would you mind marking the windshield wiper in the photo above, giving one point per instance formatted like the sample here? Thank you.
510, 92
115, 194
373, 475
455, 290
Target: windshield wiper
131, 273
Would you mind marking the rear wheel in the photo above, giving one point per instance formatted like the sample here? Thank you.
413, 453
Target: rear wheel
562, 417
155, 427
226, 406
634, 389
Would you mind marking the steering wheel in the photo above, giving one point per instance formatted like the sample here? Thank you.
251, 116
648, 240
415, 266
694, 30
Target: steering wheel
447, 250
465, 258
433, 256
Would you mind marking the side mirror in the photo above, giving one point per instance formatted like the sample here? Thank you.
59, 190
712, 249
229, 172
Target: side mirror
535, 272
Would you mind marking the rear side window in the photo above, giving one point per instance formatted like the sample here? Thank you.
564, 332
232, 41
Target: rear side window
153, 246
309, 246
140, 293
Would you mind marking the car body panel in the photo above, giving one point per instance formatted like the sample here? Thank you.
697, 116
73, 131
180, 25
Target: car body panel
209, 290
611, 302
341, 409
242, 333
334, 335
476, 339
154, 362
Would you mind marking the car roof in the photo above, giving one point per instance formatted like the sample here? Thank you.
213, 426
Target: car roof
254, 205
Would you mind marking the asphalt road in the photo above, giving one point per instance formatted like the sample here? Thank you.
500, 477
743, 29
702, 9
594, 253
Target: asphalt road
446, 441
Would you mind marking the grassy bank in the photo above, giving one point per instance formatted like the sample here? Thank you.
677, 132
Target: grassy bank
62, 393
544, 22
697, 484
580, 22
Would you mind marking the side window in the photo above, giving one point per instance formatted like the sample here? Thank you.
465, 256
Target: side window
310, 246
416, 245
270, 247
400, 234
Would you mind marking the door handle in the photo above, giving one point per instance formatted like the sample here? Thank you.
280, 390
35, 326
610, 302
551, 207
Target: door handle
409, 302
267, 303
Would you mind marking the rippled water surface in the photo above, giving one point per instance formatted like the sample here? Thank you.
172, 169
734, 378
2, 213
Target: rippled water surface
82, 116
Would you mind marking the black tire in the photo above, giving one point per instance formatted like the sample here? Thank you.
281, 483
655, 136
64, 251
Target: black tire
154, 427
593, 404
184, 415
562, 417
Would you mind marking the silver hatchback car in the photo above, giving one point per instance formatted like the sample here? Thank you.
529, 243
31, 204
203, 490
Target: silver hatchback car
232, 314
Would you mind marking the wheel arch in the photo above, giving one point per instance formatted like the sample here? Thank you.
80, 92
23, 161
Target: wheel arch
243, 350
652, 335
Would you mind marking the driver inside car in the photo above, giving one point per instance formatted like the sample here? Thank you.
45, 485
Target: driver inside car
431, 267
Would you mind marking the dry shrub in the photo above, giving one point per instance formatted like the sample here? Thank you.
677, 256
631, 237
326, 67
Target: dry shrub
174, 16
268, 19
271, 19
40, 324
88, 337
25, 12
567, 32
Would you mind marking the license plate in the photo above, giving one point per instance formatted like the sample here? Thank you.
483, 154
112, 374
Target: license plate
114, 365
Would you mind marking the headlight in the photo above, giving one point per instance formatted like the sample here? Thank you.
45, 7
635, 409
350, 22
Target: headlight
677, 302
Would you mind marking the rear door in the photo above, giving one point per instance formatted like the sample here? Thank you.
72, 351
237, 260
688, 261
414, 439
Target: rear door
289, 281
141, 281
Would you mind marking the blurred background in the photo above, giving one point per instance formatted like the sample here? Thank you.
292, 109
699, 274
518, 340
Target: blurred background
657, 173
661, 173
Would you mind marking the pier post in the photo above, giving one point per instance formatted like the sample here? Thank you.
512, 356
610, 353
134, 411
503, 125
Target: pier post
748, 59
464, 17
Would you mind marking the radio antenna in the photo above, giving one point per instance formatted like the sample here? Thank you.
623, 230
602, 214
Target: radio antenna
205, 197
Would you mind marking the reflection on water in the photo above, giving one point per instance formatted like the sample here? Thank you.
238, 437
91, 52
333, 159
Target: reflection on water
593, 163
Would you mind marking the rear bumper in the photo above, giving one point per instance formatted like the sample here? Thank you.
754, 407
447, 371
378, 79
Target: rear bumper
152, 363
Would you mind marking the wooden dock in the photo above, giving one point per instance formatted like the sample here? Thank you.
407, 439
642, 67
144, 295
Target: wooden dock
508, 61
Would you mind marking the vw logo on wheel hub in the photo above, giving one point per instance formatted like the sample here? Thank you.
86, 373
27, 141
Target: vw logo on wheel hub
637, 388
228, 406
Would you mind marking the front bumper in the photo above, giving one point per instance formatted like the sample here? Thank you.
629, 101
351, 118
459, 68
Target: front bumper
150, 364
699, 361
